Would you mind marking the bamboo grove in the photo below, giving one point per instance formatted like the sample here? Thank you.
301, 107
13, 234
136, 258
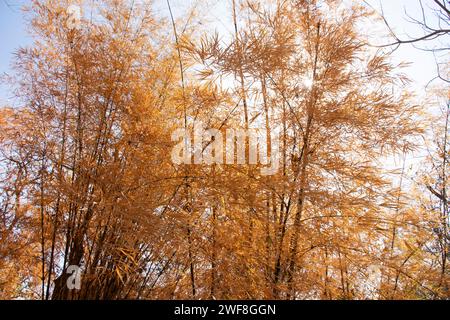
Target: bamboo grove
87, 179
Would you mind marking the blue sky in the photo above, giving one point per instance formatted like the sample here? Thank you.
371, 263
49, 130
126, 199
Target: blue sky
422, 69
423, 65
12, 35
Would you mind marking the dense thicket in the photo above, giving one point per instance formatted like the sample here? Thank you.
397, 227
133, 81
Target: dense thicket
87, 177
